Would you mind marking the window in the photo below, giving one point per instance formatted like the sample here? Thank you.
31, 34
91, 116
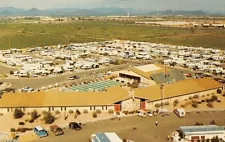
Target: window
94, 107
65, 108
61, 108
52, 108
106, 108
90, 108
102, 107
7, 109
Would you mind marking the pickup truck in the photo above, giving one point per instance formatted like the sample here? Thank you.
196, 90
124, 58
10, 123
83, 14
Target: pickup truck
56, 130
40, 131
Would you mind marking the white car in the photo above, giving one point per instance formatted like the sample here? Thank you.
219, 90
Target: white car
27, 89
141, 114
150, 114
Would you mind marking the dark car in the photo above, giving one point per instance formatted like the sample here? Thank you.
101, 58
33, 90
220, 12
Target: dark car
8, 90
75, 126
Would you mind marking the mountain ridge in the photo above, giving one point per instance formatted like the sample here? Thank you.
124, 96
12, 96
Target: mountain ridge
101, 11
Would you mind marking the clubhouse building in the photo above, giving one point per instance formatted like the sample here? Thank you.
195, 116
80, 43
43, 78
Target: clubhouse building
114, 98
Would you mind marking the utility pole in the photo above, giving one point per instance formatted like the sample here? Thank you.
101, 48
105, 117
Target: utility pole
162, 95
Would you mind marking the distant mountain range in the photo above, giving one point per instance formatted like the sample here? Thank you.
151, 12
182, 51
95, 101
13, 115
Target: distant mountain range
11, 11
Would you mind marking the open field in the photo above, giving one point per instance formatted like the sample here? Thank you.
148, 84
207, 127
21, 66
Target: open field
23, 35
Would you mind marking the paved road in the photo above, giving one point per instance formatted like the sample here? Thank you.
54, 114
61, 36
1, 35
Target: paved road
45, 81
146, 130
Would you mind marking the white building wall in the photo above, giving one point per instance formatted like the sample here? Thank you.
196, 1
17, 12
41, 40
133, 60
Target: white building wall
61, 109
131, 104
150, 105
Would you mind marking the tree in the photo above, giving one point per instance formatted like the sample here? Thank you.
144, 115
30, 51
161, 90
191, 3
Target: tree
11, 72
18, 113
134, 84
49, 118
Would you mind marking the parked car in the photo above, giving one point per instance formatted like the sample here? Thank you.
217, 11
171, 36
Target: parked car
75, 126
40, 131
72, 77
141, 114
149, 113
56, 130
27, 89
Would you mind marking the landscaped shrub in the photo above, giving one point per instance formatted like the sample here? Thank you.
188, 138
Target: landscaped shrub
44, 112
203, 95
176, 101
49, 118
21, 130
195, 96
18, 113
98, 111
57, 112
117, 113
190, 98
85, 111
210, 104
126, 112
157, 105
110, 111
214, 98
78, 112
219, 91
12, 130
34, 115
167, 103
195, 105
162, 104
94, 114
71, 111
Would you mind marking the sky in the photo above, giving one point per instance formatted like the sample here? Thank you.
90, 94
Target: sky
206, 5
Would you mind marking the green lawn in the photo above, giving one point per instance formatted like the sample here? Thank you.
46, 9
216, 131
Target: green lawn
22, 35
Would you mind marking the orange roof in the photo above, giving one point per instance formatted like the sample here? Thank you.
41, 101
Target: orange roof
178, 88
109, 97
33, 99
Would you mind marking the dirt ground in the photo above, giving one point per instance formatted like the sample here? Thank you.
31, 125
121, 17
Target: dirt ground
145, 130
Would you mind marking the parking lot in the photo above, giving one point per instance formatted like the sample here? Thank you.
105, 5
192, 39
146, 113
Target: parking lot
145, 131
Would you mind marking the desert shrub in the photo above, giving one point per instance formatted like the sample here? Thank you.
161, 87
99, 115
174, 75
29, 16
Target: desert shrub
85, 111
125, 112
176, 101
98, 111
195, 105
203, 95
78, 112
210, 104
195, 96
31, 121
26, 120
110, 111
157, 105
1, 114
44, 112
34, 115
57, 112
190, 98
49, 118
214, 98
185, 99
94, 114
18, 113
71, 111
21, 123
167, 103
21, 130
12, 130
